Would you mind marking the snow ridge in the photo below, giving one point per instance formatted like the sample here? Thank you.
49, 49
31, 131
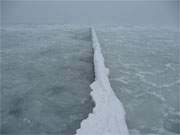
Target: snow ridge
108, 116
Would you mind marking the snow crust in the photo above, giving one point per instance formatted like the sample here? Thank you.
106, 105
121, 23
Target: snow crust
108, 116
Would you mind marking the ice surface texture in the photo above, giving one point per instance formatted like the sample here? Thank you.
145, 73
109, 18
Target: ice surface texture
144, 65
108, 117
46, 73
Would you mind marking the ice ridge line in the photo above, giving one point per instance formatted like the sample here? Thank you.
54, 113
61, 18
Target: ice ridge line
108, 116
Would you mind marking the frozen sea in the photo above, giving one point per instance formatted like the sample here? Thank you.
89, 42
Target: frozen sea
145, 74
46, 73
47, 70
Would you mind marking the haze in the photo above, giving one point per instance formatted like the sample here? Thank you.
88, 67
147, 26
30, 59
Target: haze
151, 13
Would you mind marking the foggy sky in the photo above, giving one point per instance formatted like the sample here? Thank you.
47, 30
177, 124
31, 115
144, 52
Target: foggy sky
158, 13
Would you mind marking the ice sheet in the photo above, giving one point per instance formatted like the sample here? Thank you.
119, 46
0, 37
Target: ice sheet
144, 65
46, 73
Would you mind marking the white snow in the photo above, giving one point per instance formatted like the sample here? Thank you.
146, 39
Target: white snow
108, 116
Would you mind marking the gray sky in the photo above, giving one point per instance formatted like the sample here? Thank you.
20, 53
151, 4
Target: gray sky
158, 13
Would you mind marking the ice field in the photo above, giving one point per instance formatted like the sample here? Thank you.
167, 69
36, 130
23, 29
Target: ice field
54, 81
46, 73
145, 75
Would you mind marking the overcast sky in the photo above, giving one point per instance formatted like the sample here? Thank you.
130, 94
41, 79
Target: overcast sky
158, 13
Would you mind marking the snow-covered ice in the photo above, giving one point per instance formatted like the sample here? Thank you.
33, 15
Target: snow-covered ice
108, 116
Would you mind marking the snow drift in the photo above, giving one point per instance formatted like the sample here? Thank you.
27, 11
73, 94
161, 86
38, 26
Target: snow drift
108, 116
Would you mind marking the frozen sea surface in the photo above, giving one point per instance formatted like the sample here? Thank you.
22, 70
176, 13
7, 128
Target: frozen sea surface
47, 70
144, 73
46, 73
